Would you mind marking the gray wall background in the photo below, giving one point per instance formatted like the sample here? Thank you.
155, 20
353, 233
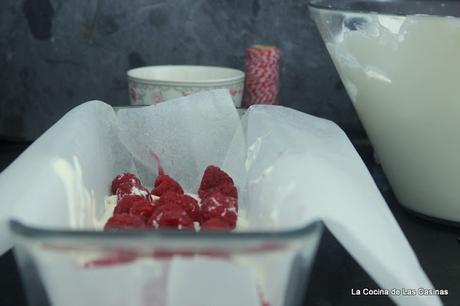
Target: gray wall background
56, 54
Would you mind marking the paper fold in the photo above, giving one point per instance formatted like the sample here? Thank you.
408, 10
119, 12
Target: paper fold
319, 175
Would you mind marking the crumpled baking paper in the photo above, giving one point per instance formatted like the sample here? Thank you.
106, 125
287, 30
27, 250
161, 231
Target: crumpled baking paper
290, 168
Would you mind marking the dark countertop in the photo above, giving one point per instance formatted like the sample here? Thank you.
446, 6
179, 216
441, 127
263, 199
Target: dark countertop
335, 272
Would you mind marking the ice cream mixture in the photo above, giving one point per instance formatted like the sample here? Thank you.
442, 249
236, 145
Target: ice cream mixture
402, 76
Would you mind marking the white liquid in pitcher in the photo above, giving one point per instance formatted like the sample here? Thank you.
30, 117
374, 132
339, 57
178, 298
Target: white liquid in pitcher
403, 76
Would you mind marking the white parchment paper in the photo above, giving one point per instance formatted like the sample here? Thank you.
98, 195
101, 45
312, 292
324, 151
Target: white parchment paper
290, 168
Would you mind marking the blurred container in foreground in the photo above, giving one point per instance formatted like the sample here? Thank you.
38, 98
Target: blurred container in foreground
159, 268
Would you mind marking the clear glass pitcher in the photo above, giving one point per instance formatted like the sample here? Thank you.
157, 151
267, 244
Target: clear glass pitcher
399, 62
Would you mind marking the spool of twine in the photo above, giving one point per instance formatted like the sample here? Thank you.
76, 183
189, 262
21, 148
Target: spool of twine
262, 75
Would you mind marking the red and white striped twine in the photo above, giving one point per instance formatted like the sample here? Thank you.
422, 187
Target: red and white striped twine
262, 75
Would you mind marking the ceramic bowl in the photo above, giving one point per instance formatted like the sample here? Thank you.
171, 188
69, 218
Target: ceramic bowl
154, 84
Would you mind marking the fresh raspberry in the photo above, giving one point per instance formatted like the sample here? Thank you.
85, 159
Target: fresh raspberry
170, 216
191, 207
142, 209
215, 224
225, 188
165, 183
220, 206
129, 188
213, 176
124, 178
185, 201
124, 221
124, 204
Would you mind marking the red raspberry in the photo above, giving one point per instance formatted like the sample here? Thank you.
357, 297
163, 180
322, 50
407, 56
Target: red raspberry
170, 216
124, 221
165, 183
185, 201
191, 207
124, 204
124, 178
132, 189
213, 176
225, 188
142, 209
220, 206
215, 224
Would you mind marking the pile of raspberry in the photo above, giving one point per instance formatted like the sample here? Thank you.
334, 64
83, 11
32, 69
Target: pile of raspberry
166, 206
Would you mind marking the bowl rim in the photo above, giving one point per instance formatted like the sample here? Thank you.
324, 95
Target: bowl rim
445, 8
239, 76
32, 233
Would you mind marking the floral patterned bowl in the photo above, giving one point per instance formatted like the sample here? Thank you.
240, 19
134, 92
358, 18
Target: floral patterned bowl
154, 84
